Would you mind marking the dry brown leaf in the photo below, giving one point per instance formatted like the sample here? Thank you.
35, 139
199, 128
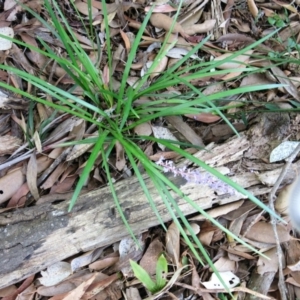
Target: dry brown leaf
219, 211
282, 201
235, 40
10, 183
160, 67
133, 293
83, 39
224, 264
8, 144
287, 6
61, 289
84, 8
128, 249
204, 117
263, 232
165, 22
111, 7
206, 236
120, 156
195, 228
282, 78
253, 8
270, 264
65, 185
37, 142
119, 55
52, 179
126, 40
85, 259
19, 198
173, 243
208, 25
236, 62
31, 176
96, 287
149, 259
164, 8
37, 58
143, 129
244, 209
26, 283
5, 44
80, 149
77, 293
292, 281
21, 122
163, 133
8, 290
182, 127
63, 128
43, 162
103, 263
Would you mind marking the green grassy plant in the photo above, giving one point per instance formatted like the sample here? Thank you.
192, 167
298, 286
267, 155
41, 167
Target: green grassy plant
99, 97
145, 278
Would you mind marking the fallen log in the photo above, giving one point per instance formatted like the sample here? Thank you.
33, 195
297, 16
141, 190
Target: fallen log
34, 238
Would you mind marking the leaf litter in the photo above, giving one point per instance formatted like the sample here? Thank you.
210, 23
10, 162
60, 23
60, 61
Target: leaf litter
49, 170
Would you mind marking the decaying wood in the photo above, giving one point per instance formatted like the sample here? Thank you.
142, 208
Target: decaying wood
36, 237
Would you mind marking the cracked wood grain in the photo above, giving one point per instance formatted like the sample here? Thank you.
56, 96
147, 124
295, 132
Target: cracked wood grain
36, 237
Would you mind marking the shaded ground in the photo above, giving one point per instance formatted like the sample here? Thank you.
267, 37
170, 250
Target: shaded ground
34, 174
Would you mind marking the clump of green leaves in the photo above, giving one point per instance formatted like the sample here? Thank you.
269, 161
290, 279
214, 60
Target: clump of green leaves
160, 278
278, 21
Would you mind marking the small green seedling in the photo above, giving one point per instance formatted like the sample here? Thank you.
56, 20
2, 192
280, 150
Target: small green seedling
145, 278
277, 21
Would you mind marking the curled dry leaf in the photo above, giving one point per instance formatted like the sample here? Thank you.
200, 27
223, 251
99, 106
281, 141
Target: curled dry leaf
165, 22
282, 201
195, 227
160, 67
208, 25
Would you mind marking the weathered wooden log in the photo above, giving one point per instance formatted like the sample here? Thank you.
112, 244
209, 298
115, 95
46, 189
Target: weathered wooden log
36, 237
